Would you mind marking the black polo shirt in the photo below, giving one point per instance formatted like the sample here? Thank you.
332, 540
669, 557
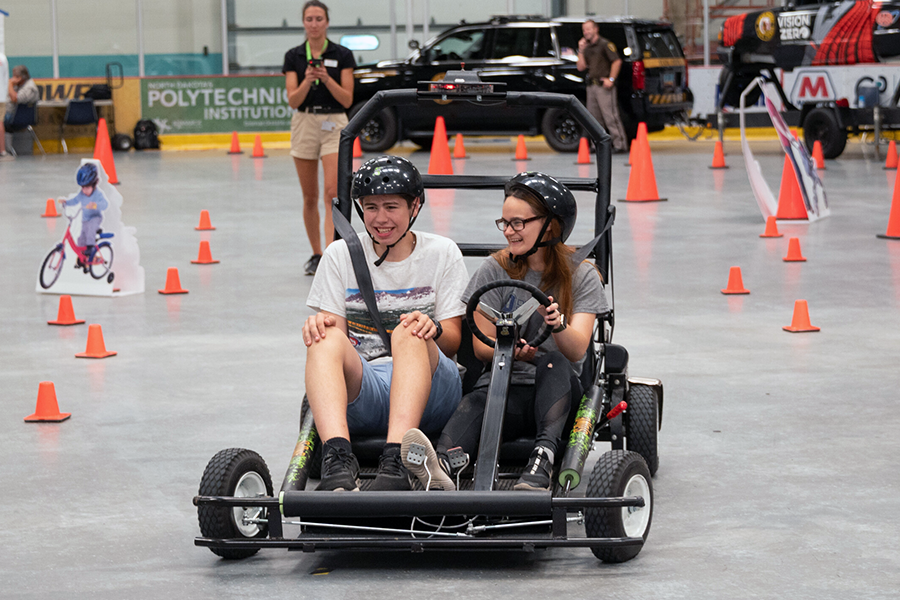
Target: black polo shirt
336, 58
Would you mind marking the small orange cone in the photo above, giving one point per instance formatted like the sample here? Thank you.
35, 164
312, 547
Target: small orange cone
50, 210
893, 229
771, 228
794, 254
439, 162
817, 155
891, 161
521, 150
642, 181
204, 257
173, 283
800, 322
47, 409
66, 314
584, 153
718, 157
235, 144
95, 346
205, 224
257, 148
103, 152
459, 148
790, 200
735, 282
357, 148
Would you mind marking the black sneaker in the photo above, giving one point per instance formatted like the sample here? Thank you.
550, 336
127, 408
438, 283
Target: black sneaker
538, 472
391, 475
340, 470
312, 264
418, 453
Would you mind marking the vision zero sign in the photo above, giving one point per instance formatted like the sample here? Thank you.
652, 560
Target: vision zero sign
795, 26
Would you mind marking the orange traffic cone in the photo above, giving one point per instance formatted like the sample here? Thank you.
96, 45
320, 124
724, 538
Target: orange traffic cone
584, 153
735, 282
95, 346
771, 228
103, 152
794, 254
893, 229
66, 314
521, 150
718, 157
439, 163
257, 148
205, 224
642, 181
204, 257
817, 155
173, 283
459, 148
800, 322
357, 148
891, 161
235, 144
50, 210
47, 409
790, 200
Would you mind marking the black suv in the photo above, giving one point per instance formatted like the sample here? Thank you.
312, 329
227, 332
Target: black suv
529, 54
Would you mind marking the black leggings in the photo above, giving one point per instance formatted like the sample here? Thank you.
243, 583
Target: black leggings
541, 408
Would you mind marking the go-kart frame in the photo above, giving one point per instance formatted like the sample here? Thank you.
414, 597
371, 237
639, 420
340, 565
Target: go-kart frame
239, 512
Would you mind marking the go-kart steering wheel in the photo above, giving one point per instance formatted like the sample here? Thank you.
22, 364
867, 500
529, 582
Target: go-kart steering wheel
520, 316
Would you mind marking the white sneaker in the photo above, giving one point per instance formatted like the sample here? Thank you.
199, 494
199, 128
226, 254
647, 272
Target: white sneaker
423, 462
5, 156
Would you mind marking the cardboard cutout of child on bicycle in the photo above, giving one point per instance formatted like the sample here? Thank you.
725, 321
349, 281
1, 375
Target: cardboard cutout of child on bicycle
97, 255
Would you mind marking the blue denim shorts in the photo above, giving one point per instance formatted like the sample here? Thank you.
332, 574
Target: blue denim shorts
368, 413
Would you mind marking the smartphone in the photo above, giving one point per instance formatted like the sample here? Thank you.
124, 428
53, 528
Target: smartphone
315, 62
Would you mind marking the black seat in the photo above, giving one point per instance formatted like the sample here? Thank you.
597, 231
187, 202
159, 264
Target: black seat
78, 112
25, 117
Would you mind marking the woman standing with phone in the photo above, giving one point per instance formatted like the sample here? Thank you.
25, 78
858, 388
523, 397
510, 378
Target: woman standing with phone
319, 81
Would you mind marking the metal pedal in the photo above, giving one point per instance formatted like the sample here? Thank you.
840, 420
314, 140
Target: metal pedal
416, 454
458, 459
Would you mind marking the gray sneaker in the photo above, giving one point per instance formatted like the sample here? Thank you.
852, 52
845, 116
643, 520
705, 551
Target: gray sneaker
422, 461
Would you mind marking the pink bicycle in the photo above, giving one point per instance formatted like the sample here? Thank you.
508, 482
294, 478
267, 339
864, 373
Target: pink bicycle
98, 264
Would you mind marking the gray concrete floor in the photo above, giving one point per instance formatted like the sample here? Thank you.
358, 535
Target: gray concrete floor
778, 451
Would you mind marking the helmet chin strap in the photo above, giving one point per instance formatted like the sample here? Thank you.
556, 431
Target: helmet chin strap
538, 245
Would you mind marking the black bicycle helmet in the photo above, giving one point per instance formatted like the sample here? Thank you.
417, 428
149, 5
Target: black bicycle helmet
87, 175
558, 200
388, 175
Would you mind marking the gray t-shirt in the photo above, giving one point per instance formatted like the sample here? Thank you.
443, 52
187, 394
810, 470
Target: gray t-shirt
430, 280
588, 297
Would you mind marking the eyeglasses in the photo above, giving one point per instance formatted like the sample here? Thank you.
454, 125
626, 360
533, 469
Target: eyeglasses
516, 224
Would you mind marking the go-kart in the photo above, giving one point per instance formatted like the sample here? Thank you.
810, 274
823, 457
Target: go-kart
240, 512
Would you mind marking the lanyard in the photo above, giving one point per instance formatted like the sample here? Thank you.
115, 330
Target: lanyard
309, 55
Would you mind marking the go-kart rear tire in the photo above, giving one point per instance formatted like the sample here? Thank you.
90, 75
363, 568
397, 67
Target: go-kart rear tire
619, 473
315, 461
240, 473
642, 424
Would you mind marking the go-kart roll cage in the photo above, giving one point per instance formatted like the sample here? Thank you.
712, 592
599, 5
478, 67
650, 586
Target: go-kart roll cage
540, 508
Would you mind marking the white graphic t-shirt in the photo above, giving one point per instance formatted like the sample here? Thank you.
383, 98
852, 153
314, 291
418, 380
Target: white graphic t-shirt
431, 280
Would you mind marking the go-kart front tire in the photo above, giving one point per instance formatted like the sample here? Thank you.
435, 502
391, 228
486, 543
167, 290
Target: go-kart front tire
240, 473
642, 424
619, 473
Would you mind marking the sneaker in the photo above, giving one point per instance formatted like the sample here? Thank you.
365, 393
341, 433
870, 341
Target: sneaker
421, 459
312, 264
538, 472
5, 156
340, 470
391, 475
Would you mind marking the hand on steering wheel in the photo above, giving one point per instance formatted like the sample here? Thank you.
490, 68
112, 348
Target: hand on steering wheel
520, 316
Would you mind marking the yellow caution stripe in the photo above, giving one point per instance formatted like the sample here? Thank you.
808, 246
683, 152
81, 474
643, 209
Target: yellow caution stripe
652, 63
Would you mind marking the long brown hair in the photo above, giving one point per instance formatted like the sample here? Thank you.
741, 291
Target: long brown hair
558, 269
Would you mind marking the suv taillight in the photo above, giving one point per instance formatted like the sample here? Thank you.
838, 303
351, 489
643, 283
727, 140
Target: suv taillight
637, 75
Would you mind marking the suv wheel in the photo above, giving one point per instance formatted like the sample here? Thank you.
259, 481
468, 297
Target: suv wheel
560, 130
380, 133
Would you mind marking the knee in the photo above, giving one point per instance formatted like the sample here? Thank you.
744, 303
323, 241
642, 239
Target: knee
551, 360
331, 346
403, 338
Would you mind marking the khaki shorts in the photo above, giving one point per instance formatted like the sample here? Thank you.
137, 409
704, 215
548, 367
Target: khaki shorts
309, 140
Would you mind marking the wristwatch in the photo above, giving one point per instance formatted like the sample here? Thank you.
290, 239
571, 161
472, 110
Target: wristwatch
611, 79
440, 330
562, 324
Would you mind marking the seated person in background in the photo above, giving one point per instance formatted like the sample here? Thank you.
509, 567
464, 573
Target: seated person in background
418, 280
93, 202
538, 216
22, 90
